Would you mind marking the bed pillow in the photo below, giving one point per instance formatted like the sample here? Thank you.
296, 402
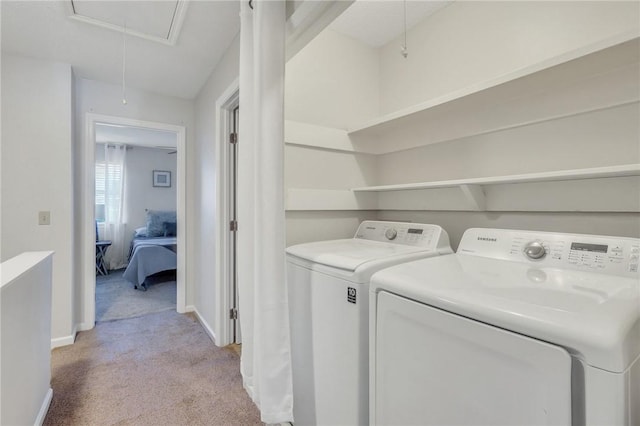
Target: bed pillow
155, 221
169, 229
140, 232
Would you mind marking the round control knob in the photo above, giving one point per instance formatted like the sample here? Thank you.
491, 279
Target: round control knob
535, 250
391, 234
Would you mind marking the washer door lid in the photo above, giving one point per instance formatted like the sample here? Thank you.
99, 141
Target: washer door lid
349, 254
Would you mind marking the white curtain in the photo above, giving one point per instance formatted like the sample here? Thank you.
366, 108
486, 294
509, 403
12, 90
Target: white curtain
114, 227
263, 308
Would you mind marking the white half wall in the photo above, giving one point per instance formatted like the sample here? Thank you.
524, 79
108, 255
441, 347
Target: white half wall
25, 367
37, 173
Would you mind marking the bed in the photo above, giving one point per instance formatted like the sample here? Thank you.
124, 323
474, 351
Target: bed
153, 249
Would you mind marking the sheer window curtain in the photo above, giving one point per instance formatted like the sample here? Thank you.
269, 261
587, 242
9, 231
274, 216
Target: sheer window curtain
114, 227
264, 320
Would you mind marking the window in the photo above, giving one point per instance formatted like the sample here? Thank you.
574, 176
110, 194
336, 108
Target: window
106, 177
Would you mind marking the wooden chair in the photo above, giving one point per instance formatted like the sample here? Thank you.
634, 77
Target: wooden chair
101, 251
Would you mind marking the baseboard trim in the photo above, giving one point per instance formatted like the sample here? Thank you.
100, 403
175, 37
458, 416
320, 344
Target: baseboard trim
66, 340
84, 326
44, 408
189, 308
205, 325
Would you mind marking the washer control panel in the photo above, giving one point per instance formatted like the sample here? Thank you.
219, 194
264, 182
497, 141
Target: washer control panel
411, 234
612, 255
535, 250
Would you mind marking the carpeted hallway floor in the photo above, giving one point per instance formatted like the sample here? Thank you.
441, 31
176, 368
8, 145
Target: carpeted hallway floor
157, 369
117, 299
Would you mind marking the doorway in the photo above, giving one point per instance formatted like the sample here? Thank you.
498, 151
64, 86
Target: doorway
88, 232
135, 187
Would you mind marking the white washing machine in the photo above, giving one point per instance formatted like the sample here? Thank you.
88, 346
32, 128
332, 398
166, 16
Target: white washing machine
328, 285
516, 328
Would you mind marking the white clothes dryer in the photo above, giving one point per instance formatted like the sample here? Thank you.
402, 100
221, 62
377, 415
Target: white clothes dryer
516, 328
328, 284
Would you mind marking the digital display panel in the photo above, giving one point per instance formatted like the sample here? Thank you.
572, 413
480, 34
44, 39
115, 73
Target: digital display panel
598, 248
414, 231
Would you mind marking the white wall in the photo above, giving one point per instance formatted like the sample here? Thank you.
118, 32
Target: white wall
37, 172
333, 82
206, 188
140, 194
474, 41
103, 98
317, 168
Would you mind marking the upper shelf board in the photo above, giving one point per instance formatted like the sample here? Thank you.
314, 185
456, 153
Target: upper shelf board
576, 174
597, 76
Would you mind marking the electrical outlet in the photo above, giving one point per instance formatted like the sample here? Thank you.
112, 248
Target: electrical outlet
44, 218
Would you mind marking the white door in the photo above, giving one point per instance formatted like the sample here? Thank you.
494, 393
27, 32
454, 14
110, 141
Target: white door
434, 368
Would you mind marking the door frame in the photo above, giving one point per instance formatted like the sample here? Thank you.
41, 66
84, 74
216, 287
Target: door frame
87, 187
225, 105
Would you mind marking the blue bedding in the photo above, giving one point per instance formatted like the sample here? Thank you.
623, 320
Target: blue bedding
150, 256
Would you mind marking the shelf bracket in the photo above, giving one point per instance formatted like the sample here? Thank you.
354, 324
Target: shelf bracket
475, 195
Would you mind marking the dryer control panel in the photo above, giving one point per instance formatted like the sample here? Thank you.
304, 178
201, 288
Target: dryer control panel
409, 234
610, 255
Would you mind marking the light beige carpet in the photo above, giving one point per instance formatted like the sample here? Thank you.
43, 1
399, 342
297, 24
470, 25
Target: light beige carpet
116, 298
157, 369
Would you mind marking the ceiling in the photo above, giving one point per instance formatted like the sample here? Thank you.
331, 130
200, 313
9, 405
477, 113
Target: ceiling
43, 29
140, 136
377, 22
171, 45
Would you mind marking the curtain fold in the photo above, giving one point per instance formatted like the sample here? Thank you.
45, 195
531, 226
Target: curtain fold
114, 227
263, 306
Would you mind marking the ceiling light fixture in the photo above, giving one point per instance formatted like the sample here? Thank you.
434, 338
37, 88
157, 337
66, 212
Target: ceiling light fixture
404, 50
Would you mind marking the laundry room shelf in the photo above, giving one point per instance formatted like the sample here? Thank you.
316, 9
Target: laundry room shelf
595, 77
560, 175
305, 134
524, 192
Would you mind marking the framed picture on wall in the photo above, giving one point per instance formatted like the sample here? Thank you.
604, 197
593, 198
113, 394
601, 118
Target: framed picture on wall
162, 178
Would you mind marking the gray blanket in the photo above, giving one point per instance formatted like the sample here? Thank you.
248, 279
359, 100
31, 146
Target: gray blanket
148, 260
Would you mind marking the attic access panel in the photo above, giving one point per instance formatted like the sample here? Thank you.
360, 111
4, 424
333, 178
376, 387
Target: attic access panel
158, 21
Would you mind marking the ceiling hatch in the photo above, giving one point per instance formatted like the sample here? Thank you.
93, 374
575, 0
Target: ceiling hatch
158, 21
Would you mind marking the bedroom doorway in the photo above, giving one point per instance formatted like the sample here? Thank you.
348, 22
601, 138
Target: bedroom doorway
135, 211
142, 139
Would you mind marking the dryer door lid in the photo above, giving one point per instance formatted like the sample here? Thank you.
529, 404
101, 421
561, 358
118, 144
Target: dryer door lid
595, 315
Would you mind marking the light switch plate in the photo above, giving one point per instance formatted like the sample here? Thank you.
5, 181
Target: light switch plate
44, 218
